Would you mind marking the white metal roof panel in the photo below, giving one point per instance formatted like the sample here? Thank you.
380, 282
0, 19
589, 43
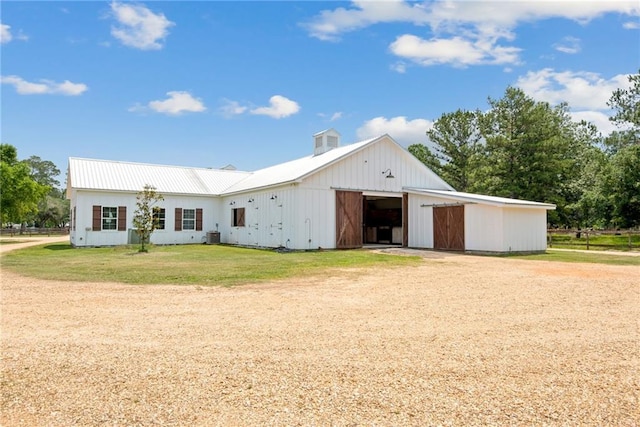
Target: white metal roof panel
296, 169
479, 198
94, 174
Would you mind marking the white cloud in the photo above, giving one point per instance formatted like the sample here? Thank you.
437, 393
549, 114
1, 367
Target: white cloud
405, 132
44, 87
178, 102
139, 27
586, 93
631, 25
279, 107
464, 32
581, 90
568, 45
457, 51
451, 16
5, 33
330, 24
6, 36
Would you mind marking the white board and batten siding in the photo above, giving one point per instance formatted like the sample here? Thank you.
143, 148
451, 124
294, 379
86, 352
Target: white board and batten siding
83, 234
491, 224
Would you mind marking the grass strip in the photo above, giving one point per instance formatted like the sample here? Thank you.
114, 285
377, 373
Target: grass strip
207, 265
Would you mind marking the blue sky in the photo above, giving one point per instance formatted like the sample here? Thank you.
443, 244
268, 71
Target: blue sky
208, 84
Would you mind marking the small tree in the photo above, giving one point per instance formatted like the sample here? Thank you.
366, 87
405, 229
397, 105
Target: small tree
143, 218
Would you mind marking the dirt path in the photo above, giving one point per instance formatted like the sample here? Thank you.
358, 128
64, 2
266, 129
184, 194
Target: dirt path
458, 340
31, 241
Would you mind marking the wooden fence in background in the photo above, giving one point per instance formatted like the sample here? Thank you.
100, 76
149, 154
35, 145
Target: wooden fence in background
31, 231
594, 239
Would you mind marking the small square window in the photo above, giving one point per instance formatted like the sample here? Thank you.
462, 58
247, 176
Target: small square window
238, 217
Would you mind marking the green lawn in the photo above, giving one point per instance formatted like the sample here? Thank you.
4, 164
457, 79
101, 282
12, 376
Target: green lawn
213, 265
574, 256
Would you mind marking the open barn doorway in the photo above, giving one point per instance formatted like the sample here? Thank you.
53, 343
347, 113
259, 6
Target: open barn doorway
382, 220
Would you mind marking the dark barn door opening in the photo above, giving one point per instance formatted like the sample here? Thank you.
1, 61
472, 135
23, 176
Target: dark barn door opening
384, 222
448, 228
348, 219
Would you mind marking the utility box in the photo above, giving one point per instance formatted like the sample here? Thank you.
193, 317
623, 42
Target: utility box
213, 237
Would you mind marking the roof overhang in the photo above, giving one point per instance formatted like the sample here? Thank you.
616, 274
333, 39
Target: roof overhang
459, 197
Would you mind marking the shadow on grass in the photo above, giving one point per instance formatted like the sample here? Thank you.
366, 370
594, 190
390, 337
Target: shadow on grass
60, 247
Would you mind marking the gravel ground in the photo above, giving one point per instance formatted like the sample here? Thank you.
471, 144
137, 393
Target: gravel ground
458, 340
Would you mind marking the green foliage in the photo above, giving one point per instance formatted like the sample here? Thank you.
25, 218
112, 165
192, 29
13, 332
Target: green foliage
456, 138
143, 219
622, 184
206, 265
19, 192
626, 104
43, 171
422, 153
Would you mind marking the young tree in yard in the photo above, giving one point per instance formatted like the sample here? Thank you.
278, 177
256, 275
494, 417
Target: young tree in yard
456, 137
143, 218
19, 192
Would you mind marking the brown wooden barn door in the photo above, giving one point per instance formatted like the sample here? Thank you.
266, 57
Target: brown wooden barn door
348, 219
448, 228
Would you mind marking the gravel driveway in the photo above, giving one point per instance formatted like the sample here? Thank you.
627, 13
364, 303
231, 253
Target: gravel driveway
458, 340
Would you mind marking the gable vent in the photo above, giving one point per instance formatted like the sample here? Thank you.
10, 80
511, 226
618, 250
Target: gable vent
325, 141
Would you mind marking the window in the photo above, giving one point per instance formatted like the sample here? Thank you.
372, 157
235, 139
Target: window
238, 217
159, 218
188, 219
332, 141
109, 218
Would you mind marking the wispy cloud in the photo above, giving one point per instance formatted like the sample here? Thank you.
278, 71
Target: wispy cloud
631, 25
232, 108
44, 87
279, 107
331, 117
177, 103
6, 35
568, 45
406, 132
139, 27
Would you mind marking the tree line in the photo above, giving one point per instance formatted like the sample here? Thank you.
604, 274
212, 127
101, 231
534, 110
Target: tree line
524, 149
29, 193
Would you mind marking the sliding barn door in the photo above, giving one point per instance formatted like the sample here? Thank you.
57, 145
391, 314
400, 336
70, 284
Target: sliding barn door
448, 228
348, 219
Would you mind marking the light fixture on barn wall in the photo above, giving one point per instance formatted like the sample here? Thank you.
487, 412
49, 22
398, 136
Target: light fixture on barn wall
251, 200
388, 174
233, 202
273, 197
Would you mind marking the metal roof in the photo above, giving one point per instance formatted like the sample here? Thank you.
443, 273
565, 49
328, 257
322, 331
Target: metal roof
482, 199
93, 174
296, 170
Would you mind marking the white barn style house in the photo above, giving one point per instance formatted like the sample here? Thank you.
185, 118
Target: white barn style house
370, 192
